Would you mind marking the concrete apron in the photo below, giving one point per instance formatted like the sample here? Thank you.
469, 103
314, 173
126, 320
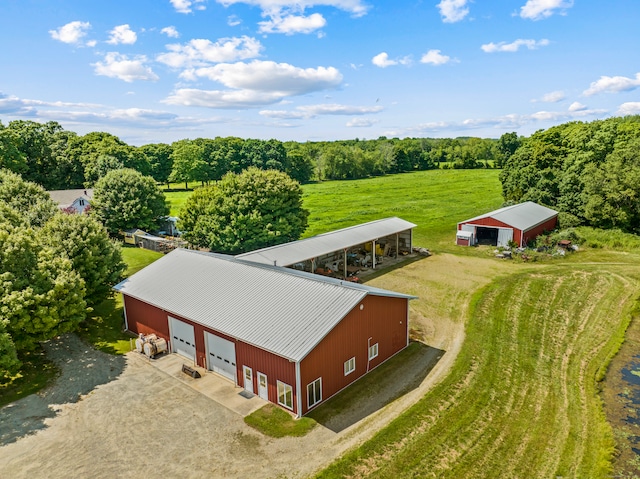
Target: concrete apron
215, 387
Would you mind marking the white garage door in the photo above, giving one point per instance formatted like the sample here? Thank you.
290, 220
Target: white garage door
183, 338
504, 236
221, 356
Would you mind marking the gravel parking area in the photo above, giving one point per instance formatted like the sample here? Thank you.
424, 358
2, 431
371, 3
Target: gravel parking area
110, 416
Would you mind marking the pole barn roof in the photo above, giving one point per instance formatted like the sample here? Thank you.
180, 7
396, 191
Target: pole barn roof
297, 251
283, 311
523, 216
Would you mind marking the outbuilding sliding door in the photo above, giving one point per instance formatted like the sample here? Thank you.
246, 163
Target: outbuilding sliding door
504, 236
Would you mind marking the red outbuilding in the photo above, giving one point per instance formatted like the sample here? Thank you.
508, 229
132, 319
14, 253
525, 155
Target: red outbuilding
520, 223
291, 337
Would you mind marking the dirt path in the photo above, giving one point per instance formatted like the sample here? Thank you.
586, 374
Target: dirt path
145, 422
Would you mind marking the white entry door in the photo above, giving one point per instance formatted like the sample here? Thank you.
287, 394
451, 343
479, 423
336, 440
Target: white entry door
263, 390
248, 378
183, 338
221, 356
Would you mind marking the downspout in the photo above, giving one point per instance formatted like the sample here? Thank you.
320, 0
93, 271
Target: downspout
298, 391
368, 349
124, 309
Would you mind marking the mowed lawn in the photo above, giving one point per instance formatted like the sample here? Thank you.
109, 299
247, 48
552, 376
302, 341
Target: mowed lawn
522, 399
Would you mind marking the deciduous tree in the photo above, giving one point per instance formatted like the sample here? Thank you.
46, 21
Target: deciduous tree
125, 199
246, 211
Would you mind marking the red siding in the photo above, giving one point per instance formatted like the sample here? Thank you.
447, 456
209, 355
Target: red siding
275, 367
145, 318
462, 242
548, 225
383, 319
489, 222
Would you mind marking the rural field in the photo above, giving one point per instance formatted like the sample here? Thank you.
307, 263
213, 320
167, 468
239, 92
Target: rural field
522, 398
516, 391
434, 200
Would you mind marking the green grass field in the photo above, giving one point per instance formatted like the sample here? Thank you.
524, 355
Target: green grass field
522, 398
435, 200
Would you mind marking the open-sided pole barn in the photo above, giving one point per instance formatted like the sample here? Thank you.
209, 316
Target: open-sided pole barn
292, 337
520, 223
388, 236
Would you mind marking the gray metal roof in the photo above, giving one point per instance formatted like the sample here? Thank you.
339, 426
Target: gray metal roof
66, 198
297, 251
277, 309
523, 216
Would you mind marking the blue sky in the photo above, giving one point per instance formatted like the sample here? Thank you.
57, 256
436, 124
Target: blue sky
162, 70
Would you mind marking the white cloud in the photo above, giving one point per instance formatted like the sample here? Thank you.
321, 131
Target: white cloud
613, 85
505, 122
72, 32
382, 60
186, 6
271, 76
434, 57
312, 111
255, 84
538, 9
270, 7
360, 123
577, 106
122, 34
629, 108
291, 24
200, 52
553, 97
514, 46
453, 10
120, 66
170, 31
233, 20
15, 106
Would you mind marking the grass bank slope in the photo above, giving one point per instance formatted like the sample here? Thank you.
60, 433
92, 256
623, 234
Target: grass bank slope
522, 398
435, 200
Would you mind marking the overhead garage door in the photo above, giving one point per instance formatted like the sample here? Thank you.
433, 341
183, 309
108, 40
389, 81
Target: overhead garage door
221, 355
183, 338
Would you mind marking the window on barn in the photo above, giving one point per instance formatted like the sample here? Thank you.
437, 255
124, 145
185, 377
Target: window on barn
314, 392
373, 351
350, 366
285, 395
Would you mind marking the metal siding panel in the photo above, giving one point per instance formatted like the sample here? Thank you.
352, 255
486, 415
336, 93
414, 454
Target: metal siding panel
382, 319
488, 221
548, 225
145, 318
276, 368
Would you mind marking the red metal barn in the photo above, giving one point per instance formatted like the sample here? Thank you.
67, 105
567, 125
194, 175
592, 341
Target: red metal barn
291, 337
520, 223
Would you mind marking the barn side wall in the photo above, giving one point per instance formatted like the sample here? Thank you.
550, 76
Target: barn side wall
145, 318
276, 368
382, 320
548, 225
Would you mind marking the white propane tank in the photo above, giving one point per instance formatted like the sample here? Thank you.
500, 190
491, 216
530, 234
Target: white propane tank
140, 343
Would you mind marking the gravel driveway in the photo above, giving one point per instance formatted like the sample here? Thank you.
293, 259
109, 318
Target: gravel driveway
110, 416
120, 417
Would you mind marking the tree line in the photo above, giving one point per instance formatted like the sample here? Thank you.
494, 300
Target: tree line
589, 172
47, 154
54, 267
